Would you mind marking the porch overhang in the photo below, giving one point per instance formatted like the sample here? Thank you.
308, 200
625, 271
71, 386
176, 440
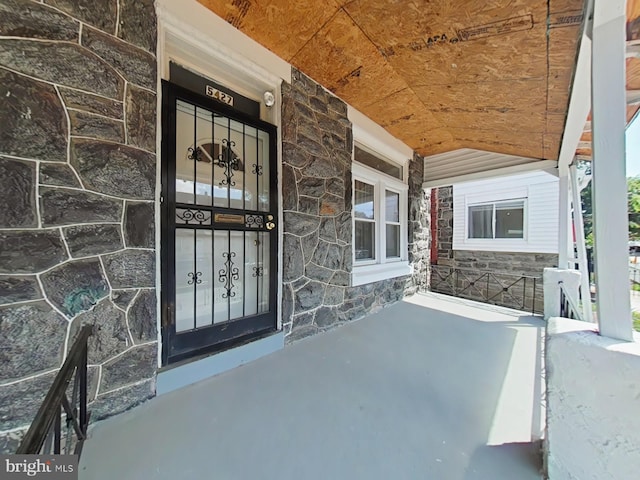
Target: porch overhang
492, 76
466, 164
581, 147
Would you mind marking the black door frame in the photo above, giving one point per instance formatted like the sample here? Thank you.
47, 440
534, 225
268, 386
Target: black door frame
231, 333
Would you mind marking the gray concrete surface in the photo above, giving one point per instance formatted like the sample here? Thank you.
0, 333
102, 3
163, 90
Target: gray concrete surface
430, 388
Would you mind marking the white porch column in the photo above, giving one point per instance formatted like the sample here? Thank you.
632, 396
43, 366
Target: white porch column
611, 220
581, 248
563, 229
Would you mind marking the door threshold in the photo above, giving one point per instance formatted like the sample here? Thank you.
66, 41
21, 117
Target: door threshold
194, 370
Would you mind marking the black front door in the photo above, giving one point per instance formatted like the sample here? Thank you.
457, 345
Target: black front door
219, 275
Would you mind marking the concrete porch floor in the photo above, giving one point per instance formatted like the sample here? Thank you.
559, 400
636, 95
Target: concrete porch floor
430, 388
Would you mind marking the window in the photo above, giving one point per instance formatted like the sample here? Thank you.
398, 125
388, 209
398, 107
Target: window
365, 221
379, 219
371, 160
496, 220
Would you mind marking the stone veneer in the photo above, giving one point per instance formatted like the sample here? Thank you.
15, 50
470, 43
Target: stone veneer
444, 217
317, 148
77, 172
477, 262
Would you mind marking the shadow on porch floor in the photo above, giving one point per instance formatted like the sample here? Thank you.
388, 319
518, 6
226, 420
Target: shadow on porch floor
429, 388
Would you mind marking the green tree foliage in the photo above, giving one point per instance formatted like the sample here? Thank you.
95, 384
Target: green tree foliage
633, 188
633, 204
587, 215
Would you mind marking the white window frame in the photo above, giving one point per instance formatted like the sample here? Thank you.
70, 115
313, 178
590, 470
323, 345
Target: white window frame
381, 268
468, 206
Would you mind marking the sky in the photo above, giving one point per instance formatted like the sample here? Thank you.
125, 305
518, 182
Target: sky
633, 148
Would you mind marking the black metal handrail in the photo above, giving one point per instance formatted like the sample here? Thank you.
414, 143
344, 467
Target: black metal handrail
568, 308
634, 274
504, 289
45, 433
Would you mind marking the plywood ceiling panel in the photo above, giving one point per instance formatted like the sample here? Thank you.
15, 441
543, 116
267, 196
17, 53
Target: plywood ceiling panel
437, 74
633, 20
398, 108
551, 145
452, 64
566, 6
584, 151
510, 96
438, 141
341, 58
559, 89
443, 36
555, 122
500, 142
283, 26
633, 73
419, 127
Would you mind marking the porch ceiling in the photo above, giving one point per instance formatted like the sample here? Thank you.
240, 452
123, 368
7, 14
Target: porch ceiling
584, 151
439, 75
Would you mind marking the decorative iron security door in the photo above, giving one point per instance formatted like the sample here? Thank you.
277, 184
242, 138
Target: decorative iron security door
219, 226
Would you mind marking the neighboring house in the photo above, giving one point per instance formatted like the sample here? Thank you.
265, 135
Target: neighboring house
496, 231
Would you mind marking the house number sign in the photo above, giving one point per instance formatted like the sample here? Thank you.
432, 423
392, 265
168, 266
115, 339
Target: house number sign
218, 95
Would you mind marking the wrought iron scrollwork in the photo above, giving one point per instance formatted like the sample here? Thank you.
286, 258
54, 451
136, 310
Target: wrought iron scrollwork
254, 221
258, 271
194, 278
257, 169
229, 161
194, 153
188, 216
228, 274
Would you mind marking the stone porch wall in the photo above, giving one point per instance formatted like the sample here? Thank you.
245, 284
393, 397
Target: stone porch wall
477, 262
444, 217
77, 175
316, 178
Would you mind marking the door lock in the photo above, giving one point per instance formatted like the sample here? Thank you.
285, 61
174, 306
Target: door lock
270, 224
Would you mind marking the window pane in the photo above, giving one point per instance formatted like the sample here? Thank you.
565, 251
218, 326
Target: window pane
480, 221
364, 201
364, 157
365, 242
393, 241
392, 206
510, 220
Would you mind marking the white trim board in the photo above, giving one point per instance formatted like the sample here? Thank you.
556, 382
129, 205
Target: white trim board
376, 138
201, 27
468, 164
549, 166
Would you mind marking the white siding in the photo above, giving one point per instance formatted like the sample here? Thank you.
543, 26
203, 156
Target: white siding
540, 189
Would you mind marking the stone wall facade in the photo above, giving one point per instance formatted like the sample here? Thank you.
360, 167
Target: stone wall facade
475, 263
77, 172
78, 189
316, 185
514, 263
444, 217
419, 227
